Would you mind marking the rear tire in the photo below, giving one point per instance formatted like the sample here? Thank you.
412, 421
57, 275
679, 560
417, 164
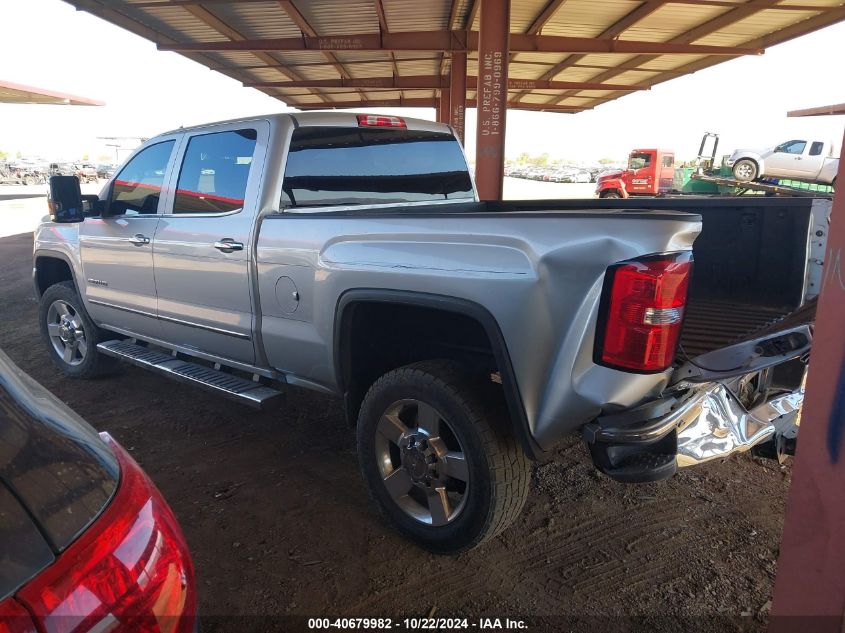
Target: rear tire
70, 334
745, 170
437, 460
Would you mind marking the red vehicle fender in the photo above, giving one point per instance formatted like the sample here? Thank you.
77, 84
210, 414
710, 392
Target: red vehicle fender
611, 184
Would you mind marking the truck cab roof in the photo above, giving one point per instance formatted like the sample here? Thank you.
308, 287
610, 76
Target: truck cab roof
327, 118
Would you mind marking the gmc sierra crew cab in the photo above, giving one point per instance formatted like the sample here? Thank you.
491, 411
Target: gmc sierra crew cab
349, 254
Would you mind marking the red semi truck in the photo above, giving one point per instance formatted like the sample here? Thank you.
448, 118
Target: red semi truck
650, 172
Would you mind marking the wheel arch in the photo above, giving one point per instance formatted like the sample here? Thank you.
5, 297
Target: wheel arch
52, 267
344, 322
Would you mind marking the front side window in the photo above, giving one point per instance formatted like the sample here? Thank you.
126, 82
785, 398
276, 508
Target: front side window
638, 160
346, 166
792, 147
816, 148
214, 172
137, 188
668, 161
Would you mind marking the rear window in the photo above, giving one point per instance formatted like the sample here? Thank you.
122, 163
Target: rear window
346, 166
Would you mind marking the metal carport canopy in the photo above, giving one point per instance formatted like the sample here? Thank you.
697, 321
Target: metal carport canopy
552, 55
20, 94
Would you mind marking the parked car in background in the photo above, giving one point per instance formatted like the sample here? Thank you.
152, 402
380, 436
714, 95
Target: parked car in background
86, 172
798, 159
87, 543
62, 169
105, 170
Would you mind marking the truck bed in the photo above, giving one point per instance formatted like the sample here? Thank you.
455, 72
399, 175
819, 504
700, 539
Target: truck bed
714, 323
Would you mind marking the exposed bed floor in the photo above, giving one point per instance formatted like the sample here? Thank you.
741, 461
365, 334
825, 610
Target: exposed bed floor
713, 323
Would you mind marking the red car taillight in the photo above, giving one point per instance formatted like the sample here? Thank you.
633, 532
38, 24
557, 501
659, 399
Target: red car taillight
642, 312
129, 571
14, 618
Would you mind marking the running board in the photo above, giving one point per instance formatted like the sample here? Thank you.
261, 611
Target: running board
242, 390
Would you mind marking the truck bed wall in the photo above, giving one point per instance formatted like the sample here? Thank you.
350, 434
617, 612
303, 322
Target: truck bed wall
751, 249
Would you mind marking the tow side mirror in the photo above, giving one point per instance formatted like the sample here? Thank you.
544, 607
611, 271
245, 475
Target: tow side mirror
65, 199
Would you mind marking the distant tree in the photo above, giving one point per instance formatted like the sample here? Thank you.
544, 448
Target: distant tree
18, 155
606, 161
523, 158
3, 155
104, 158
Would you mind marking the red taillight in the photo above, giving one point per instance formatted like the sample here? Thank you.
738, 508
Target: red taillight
643, 312
130, 571
14, 618
377, 120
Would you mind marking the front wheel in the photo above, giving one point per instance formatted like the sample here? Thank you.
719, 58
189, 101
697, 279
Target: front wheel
745, 170
70, 334
438, 466
610, 194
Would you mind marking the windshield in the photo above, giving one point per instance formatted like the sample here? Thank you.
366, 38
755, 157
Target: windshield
638, 160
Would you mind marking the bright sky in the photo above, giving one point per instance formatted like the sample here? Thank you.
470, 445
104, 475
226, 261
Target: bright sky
47, 43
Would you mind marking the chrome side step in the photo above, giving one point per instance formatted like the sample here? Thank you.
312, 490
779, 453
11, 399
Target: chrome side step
248, 392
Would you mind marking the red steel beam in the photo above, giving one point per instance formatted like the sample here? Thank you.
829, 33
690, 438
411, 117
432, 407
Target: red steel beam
437, 41
436, 82
492, 97
443, 107
445, 113
810, 584
458, 94
429, 102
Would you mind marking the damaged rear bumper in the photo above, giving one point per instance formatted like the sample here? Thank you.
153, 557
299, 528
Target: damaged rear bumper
703, 419
708, 423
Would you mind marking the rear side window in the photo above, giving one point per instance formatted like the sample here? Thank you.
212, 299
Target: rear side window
668, 161
345, 166
137, 189
214, 172
816, 148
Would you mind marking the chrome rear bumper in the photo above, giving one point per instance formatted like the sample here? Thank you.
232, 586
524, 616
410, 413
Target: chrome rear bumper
718, 425
710, 424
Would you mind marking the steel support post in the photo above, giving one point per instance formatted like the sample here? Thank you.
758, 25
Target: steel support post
458, 93
492, 97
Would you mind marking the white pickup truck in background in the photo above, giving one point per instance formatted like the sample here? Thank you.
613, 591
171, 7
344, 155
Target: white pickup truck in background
810, 161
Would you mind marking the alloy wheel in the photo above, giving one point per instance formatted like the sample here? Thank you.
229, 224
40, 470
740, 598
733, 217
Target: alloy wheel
422, 463
67, 333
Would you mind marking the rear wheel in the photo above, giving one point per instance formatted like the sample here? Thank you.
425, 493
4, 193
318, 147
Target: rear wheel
70, 334
439, 466
745, 170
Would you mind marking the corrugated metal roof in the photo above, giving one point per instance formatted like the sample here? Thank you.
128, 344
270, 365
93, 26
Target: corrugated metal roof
257, 25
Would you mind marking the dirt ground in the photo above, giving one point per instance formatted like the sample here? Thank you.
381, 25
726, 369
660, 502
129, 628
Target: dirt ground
279, 523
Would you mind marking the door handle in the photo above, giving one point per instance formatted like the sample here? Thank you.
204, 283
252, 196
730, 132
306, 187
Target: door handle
228, 245
139, 240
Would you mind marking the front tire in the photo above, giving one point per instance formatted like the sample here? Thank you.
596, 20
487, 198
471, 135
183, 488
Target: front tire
70, 334
437, 459
610, 194
745, 170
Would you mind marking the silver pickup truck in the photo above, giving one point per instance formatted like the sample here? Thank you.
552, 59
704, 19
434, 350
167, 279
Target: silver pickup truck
349, 254
798, 159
